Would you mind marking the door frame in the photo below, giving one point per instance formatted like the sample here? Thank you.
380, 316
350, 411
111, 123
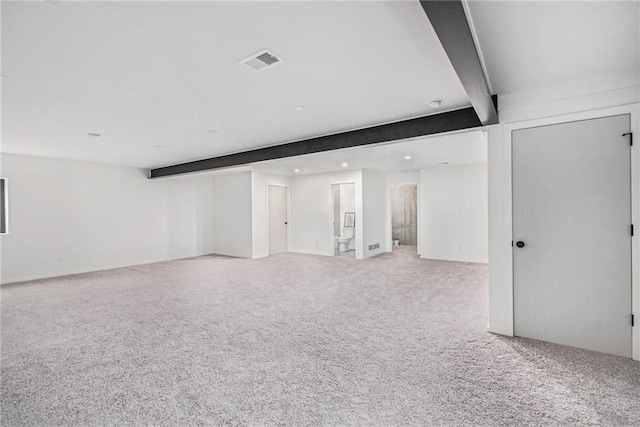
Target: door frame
389, 246
288, 194
501, 290
358, 228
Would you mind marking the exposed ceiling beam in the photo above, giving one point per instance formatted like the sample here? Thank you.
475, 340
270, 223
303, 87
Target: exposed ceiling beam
421, 126
450, 23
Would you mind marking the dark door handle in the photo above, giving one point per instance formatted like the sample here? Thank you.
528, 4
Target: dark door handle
285, 223
520, 244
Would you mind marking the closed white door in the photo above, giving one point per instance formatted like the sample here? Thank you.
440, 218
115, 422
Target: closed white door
572, 234
278, 223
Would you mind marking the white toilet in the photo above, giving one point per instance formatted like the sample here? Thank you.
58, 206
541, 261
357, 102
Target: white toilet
345, 238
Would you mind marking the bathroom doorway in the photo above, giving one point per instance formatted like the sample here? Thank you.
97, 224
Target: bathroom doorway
343, 199
404, 217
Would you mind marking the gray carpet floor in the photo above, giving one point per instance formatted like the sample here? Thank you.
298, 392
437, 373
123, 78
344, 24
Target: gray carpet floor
290, 340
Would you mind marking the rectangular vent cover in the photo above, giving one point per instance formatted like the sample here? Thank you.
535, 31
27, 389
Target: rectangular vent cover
374, 246
261, 60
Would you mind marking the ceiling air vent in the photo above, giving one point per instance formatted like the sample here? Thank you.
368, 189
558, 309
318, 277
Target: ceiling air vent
261, 60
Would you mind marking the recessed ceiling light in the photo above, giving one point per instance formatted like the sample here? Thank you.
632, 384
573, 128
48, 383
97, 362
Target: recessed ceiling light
298, 108
212, 131
407, 157
435, 103
94, 134
296, 170
344, 164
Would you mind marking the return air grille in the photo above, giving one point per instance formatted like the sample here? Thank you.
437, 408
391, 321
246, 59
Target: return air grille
261, 60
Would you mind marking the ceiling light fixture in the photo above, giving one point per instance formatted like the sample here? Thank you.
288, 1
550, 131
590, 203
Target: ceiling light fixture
94, 134
443, 163
435, 103
296, 170
407, 157
298, 108
212, 131
344, 164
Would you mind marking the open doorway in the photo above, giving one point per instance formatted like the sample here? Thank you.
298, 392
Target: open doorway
404, 217
343, 198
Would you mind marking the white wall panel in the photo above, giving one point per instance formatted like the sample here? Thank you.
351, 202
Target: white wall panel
232, 216
454, 213
72, 217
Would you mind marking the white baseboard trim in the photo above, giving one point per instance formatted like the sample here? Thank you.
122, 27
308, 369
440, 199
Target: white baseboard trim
499, 331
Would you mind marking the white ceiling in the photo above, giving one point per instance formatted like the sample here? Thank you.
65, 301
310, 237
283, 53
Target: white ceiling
153, 78
539, 44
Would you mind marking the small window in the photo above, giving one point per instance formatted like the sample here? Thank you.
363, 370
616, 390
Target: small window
4, 205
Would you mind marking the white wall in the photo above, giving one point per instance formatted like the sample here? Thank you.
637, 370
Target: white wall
71, 217
260, 217
454, 213
311, 212
403, 178
232, 215
374, 207
571, 97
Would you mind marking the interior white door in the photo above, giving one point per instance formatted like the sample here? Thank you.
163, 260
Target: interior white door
278, 223
572, 213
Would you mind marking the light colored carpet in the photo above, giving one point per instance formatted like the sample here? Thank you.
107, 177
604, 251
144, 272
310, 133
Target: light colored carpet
291, 339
